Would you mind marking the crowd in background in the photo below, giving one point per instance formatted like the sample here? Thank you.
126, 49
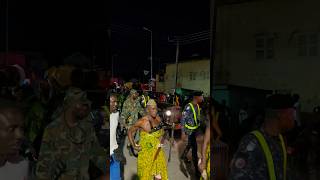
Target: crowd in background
41, 93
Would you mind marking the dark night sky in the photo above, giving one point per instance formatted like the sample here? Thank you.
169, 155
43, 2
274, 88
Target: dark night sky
57, 29
165, 18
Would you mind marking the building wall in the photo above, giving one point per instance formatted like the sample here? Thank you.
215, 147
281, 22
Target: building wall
236, 62
193, 75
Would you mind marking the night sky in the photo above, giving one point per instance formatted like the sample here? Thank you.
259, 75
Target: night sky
165, 18
58, 29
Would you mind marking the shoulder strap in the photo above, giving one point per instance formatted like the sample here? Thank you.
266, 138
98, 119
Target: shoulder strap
198, 109
194, 112
267, 153
284, 156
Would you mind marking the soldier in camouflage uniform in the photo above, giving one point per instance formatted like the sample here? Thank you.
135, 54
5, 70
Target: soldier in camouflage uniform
251, 161
130, 113
69, 142
131, 109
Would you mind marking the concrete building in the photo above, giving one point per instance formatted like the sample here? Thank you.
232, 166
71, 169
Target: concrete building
192, 74
270, 44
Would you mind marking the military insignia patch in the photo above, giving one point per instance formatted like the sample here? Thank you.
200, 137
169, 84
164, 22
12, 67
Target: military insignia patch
240, 163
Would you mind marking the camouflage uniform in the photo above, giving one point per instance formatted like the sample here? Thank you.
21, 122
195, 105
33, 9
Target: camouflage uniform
130, 112
35, 119
249, 162
66, 152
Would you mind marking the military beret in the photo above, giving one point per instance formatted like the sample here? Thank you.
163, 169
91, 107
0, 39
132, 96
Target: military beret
198, 93
279, 101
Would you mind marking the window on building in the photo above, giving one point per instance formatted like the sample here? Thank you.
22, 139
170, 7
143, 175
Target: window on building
194, 76
202, 75
180, 76
190, 76
264, 47
307, 44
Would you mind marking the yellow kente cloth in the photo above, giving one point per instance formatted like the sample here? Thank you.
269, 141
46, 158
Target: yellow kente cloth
147, 167
208, 163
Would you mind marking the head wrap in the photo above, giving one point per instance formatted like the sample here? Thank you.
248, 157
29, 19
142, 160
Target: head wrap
151, 102
128, 85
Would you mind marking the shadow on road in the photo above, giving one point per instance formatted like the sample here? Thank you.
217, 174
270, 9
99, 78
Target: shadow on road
134, 177
183, 169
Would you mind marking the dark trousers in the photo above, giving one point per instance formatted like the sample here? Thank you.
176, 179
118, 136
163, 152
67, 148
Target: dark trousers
192, 143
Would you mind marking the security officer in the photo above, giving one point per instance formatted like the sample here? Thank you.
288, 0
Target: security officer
145, 98
262, 153
190, 123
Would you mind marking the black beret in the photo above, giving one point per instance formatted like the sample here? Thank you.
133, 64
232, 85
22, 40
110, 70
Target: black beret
198, 93
279, 101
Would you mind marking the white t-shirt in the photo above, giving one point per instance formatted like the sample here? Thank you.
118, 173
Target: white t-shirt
19, 171
114, 119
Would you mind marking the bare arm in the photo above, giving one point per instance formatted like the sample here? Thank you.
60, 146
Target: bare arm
132, 130
215, 124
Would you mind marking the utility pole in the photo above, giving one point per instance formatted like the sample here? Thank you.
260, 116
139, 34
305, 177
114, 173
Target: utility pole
184, 40
151, 55
213, 15
7, 33
177, 60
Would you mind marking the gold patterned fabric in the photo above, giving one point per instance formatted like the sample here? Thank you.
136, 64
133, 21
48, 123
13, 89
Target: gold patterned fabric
208, 163
148, 168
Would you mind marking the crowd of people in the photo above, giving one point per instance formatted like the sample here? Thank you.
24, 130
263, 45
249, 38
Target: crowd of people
49, 130
261, 146
144, 131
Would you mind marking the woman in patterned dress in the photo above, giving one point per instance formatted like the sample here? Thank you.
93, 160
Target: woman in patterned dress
151, 157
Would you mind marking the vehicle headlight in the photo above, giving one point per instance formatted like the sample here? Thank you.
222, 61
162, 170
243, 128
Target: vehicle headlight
168, 113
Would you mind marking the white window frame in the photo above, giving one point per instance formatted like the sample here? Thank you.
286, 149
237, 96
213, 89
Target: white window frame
306, 44
267, 47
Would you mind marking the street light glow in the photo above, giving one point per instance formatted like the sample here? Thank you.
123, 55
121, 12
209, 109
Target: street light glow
168, 113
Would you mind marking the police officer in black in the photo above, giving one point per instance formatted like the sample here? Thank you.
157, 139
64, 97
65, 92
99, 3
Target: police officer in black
190, 124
